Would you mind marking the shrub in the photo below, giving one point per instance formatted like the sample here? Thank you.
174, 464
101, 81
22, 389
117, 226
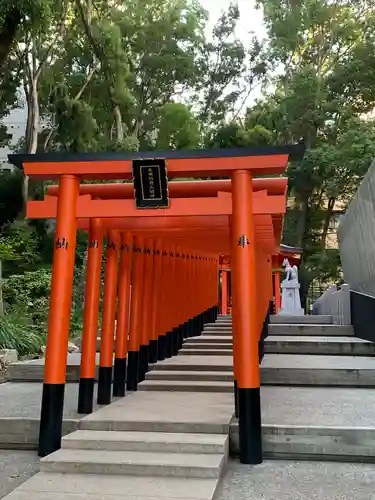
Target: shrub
18, 332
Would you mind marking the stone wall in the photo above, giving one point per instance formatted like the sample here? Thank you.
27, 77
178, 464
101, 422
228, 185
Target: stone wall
356, 235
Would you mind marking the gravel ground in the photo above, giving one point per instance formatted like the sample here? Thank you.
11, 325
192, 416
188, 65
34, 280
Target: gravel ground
279, 480
15, 468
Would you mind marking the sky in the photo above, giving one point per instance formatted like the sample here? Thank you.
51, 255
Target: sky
251, 18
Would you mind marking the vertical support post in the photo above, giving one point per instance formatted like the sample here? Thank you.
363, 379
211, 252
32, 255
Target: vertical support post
156, 290
122, 326
246, 324
162, 339
276, 278
147, 309
234, 326
224, 292
59, 317
171, 266
90, 318
135, 313
108, 319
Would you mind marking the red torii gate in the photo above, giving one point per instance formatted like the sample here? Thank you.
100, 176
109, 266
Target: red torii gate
70, 207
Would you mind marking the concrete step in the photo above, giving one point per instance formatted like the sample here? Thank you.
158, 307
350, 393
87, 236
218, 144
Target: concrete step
196, 344
217, 325
312, 330
28, 372
318, 370
55, 486
187, 465
288, 369
195, 363
33, 371
210, 339
190, 375
308, 319
146, 442
211, 351
296, 442
217, 331
347, 346
185, 386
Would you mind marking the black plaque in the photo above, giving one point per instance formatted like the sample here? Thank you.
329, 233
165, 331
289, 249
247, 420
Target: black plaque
150, 183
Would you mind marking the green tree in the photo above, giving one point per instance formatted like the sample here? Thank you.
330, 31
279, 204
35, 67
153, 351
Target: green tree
178, 128
318, 95
234, 134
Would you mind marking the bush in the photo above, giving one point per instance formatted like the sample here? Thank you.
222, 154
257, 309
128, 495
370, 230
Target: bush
29, 294
18, 332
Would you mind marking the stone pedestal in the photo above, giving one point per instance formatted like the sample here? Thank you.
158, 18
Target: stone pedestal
290, 299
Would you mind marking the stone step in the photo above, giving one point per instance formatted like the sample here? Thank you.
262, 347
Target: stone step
308, 319
201, 344
146, 442
33, 371
287, 370
318, 370
22, 372
195, 363
217, 331
217, 325
190, 375
295, 442
185, 386
347, 346
55, 486
211, 351
158, 425
187, 465
208, 339
312, 330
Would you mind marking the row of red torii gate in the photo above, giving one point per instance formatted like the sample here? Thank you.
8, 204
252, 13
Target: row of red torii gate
166, 244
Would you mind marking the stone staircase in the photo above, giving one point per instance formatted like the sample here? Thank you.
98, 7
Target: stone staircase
317, 354
140, 454
147, 445
170, 439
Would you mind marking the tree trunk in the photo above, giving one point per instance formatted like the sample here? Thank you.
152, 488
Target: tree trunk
34, 130
329, 212
119, 126
29, 115
32, 146
302, 221
8, 34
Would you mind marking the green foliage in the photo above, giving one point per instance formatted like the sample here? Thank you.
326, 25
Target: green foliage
234, 134
18, 332
22, 240
178, 128
29, 290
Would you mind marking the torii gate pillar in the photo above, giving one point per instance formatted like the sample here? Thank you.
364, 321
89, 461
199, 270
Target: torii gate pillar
245, 324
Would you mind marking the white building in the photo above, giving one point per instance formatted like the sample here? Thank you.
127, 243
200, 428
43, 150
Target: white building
16, 125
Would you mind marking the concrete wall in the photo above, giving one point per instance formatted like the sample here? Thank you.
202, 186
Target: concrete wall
357, 237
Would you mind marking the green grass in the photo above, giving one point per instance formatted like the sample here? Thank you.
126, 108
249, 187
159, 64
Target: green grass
18, 332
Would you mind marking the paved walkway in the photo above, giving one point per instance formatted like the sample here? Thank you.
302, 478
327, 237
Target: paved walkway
272, 480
